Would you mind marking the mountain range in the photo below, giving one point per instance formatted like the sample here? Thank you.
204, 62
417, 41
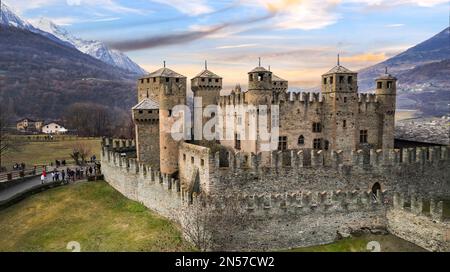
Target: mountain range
423, 74
96, 49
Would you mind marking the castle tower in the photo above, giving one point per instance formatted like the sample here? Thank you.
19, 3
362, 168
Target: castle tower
146, 119
170, 89
207, 86
279, 85
386, 93
259, 86
340, 108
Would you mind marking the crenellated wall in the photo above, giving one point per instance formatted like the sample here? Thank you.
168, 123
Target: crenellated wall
420, 222
293, 201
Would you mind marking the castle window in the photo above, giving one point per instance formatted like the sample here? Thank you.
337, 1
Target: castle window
363, 136
379, 85
184, 157
250, 77
331, 79
150, 111
344, 124
326, 145
177, 80
140, 111
260, 77
170, 113
317, 143
389, 84
301, 140
324, 80
154, 79
209, 80
192, 160
167, 79
317, 127
345, 99
282, 143
350, 80
341, 79
202, 162
237, 142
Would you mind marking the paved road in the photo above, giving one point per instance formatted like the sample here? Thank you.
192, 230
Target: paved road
11, 191
23, 186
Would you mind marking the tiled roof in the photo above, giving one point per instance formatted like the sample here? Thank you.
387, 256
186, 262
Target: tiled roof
259, 69
147, 104
164, 72
277, 78
338, 69
207, 74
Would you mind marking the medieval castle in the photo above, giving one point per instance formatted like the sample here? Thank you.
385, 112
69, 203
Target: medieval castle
334, 168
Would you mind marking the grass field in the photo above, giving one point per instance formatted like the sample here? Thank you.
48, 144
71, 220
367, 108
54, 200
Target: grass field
388, 243
32, 152
93, 214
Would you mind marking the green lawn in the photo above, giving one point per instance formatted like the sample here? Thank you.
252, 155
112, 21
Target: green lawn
388, 243
93, 214
45, 152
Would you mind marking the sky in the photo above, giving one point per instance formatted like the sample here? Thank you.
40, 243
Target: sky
298, 39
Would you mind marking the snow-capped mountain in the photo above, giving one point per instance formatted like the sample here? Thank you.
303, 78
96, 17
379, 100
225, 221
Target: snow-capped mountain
9, 18
96, 49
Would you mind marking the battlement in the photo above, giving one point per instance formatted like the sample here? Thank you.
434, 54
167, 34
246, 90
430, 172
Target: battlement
117, 143
311, 201
360, 159
417, 204
367, 98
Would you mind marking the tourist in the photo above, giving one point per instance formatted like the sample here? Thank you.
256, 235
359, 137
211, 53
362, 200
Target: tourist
90, 170
42, 178
63, 175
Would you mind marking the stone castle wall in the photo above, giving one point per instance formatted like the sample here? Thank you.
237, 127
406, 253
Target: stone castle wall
426, 228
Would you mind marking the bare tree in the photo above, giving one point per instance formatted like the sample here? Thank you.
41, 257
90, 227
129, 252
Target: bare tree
79, 153
8, 142
211, 225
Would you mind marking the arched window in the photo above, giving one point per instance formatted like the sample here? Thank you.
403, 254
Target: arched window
301, 140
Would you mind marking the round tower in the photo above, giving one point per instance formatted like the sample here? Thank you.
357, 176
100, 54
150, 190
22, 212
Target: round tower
386, 92
259, 86
171, 89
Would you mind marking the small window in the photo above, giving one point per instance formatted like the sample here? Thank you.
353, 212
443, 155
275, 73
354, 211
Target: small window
209, 80
282, 143
317, 144
250, 77
301, 140
379, 85
326, 145
389, 84
217, 80
324, 80
167, 79
148, 80
141, 111
177, 80
345, 99
203, 80
317, 127
237, 142
331, 80
170, 113
184, 157
363, 136
192, 160
202, 162
260, 77
154, 79
344, 123
341, 79
350, 80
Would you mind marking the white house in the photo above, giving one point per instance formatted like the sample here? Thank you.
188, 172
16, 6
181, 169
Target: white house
53, 128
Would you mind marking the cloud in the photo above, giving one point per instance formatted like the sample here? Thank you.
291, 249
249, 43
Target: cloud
394, 25
191, 7
367, 57
237, 46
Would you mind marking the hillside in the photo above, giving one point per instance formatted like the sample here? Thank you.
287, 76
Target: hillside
39, 77
423, 75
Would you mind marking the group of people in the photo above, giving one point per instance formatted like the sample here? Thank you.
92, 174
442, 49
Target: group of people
17, 166
59, 163
69, 174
